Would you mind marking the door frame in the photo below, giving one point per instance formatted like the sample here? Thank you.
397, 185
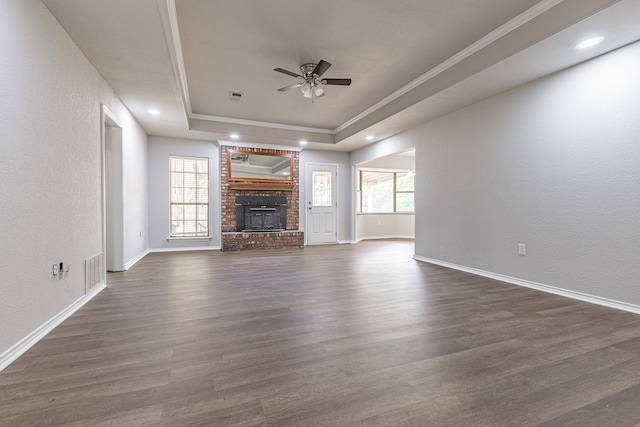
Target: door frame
308, 166
112, 191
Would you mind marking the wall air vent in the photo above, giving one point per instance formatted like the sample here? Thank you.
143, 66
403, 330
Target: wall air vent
235, 96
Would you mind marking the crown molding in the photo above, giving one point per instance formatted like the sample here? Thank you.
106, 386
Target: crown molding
501, 31
258, 145
261, 124
172, 34
169, 15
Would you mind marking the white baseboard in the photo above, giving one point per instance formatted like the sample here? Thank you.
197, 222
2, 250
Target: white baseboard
13, 353
594, 299
185, 249
385, 237
135, 260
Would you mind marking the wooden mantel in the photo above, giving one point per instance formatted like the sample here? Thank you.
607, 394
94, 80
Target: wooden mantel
243, 185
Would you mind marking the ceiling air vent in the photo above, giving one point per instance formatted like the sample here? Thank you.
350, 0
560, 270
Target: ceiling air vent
235, 96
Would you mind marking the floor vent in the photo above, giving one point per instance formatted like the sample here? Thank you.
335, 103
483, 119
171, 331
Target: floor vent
93, 272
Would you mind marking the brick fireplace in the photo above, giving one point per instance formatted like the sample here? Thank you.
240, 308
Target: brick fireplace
243, 233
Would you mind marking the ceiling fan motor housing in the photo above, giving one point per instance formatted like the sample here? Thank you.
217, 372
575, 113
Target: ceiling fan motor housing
307, 71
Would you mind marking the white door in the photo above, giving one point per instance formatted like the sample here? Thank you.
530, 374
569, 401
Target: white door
322, 203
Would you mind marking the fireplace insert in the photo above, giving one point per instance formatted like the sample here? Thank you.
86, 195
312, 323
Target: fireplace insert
261, 213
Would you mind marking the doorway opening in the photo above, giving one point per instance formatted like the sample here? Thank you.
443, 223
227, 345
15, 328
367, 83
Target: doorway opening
385, 202
113, 192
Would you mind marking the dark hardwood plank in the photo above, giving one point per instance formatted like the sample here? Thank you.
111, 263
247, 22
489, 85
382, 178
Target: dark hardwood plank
347, 335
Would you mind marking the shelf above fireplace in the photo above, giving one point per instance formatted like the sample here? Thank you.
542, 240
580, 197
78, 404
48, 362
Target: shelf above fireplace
277, 186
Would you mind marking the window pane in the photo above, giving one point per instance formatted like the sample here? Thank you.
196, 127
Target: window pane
203, 180
321, 188
404, 202
377, 191
203, 195
189, 228
203, 213
177, 195
177, 165
404, 181
203, 167
190, 165
189, 195
190, 180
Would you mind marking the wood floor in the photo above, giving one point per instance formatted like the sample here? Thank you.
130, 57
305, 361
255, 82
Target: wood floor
349, 335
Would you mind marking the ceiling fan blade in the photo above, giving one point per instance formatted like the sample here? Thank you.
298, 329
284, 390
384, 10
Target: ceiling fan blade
342, 82
322, 67
289, 73
282, 89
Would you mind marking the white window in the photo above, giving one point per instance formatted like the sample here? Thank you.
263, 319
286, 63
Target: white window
386, 192
189, 177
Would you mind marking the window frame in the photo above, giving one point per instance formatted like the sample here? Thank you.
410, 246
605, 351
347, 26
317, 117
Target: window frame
395, 173
196, 204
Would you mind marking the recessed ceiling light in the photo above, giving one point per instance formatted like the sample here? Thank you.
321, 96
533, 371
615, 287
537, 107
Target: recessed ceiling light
369, 137
303, 142
589, 42
234, 136
154, 111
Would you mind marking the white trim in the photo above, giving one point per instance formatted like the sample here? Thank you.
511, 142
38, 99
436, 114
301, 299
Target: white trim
169, 16
133, 262
347, 242
258, 145
109, 119
221, 119
386, 237
594, 299
189, 239
354, 203
174, 45
465, 53
385, 213
21, 347
185, 249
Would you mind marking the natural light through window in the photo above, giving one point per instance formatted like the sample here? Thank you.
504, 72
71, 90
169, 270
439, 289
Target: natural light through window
189, 177
386, 192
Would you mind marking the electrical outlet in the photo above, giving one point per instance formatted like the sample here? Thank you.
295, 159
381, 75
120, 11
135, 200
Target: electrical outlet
55, 270
522, 249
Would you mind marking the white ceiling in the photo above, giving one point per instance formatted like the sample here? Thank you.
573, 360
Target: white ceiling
410, 60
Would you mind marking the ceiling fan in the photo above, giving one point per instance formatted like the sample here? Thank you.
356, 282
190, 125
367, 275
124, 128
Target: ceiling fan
311, 80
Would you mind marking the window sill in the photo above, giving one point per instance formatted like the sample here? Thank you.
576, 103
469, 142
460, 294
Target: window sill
189, 239
385, 213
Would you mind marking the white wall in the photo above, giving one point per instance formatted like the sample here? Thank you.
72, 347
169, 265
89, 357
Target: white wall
136, 204
344, 188
554, 165
160, 148
50, 161
386, 147
392, 162
385, 226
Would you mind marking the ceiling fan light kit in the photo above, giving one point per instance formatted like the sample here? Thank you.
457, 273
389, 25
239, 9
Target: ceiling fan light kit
311, 82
